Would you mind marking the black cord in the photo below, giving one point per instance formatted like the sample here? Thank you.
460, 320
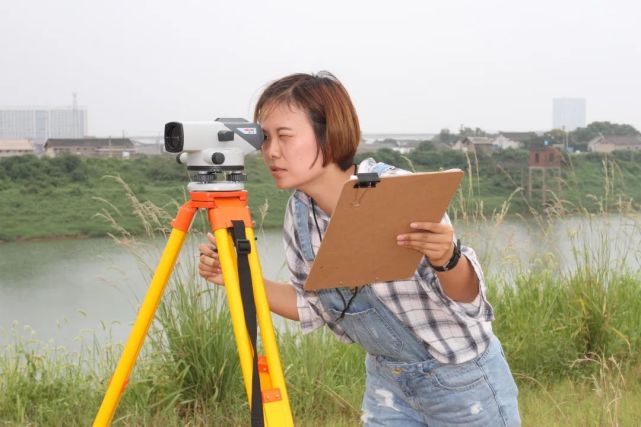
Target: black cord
348, 303
320, 239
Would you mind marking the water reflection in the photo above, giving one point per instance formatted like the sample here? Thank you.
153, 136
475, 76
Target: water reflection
67, 290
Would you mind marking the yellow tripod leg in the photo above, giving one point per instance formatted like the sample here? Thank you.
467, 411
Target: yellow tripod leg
276, 409
227, 257
276, 399
140, 328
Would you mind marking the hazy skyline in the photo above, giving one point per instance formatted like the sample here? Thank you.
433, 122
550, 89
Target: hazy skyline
410, 66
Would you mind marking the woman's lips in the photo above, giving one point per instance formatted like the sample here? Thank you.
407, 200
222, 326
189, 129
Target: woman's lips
276, 171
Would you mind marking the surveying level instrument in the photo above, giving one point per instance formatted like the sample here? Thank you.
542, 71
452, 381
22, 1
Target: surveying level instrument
214, 154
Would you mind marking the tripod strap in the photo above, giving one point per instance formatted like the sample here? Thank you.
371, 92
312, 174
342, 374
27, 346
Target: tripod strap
243, 248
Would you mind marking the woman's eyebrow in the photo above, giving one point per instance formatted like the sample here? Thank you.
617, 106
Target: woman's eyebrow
283, 128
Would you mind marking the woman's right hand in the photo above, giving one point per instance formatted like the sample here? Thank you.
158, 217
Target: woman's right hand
209, 264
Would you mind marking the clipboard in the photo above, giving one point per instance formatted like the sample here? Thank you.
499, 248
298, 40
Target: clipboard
360, 246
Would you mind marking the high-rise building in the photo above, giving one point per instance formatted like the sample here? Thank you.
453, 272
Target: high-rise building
568, 113
41, 123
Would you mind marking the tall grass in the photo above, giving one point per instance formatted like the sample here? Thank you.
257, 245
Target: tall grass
322, 373
44, 384
570, 329
547, 322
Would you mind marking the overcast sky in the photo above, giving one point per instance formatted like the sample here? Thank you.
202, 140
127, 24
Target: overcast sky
410, 66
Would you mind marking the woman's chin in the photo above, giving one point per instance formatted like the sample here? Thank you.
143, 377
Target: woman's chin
283, 185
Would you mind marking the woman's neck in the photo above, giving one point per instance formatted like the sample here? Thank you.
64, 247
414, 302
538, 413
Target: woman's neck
326, 190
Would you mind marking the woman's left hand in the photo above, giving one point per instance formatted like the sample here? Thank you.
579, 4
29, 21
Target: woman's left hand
432, 239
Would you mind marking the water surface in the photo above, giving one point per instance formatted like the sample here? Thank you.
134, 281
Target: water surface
66, 289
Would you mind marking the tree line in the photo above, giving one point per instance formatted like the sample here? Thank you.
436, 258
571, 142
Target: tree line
578, 138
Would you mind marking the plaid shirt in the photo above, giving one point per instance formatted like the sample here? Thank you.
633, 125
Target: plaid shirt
453, 332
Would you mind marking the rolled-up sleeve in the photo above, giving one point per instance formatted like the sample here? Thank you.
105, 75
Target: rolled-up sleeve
479, 308
310, 319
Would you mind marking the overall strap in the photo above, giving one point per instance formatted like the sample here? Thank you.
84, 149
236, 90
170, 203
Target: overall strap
301, 222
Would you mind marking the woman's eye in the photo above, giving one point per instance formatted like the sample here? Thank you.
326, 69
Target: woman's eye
265, 141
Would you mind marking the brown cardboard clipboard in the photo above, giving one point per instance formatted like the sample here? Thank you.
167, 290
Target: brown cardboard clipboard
360, 246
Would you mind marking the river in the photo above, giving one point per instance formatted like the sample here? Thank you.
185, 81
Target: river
65, 291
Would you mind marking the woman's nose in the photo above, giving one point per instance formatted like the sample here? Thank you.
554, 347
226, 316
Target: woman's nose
271, 149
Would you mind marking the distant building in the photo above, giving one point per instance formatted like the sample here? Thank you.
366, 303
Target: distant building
476, 144
503, 142
41, 123
403, 146
545, 161
610, 143
90, 147
523, 138
545, 157
568, 113
16, 147
149, 149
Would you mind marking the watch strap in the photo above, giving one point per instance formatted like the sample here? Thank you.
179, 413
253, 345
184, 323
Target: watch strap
452, 262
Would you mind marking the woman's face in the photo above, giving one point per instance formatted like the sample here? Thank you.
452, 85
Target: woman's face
290, 147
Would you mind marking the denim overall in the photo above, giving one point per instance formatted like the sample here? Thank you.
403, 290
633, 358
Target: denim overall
406, 385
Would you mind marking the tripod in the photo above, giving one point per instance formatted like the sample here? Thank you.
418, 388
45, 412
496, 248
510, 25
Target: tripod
231, 222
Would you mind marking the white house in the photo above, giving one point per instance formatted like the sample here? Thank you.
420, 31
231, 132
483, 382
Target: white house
90, 147
472, 144
503, 142
16, 147
485, 144
610, 143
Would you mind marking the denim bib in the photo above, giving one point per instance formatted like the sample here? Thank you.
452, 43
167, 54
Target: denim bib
372, 325
367, 321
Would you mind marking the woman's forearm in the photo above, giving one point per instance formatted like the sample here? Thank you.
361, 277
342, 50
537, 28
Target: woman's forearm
281, 298
460, 283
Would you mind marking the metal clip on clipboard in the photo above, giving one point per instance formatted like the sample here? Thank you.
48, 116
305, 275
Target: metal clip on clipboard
367, 180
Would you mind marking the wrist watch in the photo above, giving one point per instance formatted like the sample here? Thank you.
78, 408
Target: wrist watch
452, 262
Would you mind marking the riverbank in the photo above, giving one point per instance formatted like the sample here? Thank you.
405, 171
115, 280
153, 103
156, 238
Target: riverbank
82, 197
48, 198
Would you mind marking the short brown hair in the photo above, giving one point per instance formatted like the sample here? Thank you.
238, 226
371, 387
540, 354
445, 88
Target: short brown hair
329, 108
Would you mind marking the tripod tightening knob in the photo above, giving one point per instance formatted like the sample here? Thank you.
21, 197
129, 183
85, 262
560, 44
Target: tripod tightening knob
237, 177
218, 158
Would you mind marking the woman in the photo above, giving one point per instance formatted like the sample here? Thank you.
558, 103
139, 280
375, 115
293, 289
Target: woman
432, 358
